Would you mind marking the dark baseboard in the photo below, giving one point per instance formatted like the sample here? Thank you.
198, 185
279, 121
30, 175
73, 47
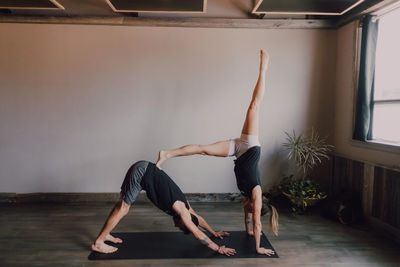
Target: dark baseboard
106, 197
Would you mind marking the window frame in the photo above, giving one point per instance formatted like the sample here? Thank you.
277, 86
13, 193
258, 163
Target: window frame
377, 144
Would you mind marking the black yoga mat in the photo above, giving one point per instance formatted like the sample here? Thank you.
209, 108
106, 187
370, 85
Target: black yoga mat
176, 245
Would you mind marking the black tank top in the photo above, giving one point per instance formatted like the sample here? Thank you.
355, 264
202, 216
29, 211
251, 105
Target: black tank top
161, 190
246, 171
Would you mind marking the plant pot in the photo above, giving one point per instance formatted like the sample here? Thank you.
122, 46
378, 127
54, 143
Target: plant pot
308, 201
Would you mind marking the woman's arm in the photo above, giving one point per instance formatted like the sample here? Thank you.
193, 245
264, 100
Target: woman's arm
248, 219
257, 226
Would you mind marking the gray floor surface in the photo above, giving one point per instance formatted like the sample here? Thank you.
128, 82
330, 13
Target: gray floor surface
61, 235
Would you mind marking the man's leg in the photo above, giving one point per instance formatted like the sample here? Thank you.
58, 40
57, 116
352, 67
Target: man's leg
218, 149
119, 211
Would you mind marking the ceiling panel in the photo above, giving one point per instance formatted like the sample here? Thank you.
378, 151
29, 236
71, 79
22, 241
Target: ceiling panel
312, 7
156, 6
30, 4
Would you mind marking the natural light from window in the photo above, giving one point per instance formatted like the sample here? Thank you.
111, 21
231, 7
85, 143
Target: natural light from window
386, 117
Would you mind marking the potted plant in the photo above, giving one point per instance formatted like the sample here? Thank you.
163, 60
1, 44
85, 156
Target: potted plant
307, 152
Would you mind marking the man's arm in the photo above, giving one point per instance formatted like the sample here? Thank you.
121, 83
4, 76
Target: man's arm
203, 224
203, 238
257, 226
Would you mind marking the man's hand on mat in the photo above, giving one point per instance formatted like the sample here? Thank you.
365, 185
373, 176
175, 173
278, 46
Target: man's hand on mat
226, 251
221, 234
265, 251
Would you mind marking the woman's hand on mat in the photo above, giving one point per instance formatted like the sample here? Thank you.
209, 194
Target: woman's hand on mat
265, 251
250, 233
221, 234
226, 251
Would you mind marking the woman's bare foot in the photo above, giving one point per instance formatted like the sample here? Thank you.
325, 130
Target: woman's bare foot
113, 239
162, 156
102, 247
264, 60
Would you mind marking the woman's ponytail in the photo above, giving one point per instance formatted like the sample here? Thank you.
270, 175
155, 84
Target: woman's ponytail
273, 220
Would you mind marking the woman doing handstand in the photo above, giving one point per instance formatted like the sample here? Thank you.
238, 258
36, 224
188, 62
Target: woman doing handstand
247, 152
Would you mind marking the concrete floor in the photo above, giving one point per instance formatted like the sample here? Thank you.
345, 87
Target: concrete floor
60, 235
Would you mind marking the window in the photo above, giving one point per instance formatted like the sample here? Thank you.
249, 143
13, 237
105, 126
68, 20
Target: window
386, 98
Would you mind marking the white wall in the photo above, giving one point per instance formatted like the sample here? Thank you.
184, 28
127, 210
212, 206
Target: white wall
344, 107
79, 104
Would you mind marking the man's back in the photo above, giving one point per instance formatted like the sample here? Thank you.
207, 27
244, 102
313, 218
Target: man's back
161, 189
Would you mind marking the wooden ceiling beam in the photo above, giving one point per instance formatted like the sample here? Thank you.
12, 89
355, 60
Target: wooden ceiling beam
177, 22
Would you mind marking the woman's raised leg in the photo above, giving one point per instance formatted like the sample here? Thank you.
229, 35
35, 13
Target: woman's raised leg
218, 149
251, 123
250, 127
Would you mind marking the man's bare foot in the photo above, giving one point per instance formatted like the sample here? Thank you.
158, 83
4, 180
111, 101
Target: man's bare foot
113, 239
102, 247
264, 60
162, 156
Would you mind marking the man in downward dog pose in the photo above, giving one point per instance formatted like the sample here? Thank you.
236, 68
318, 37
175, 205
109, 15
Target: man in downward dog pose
167, 196
247, 152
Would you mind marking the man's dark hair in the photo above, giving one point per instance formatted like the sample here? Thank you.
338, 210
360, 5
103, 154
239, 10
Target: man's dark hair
178, 220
